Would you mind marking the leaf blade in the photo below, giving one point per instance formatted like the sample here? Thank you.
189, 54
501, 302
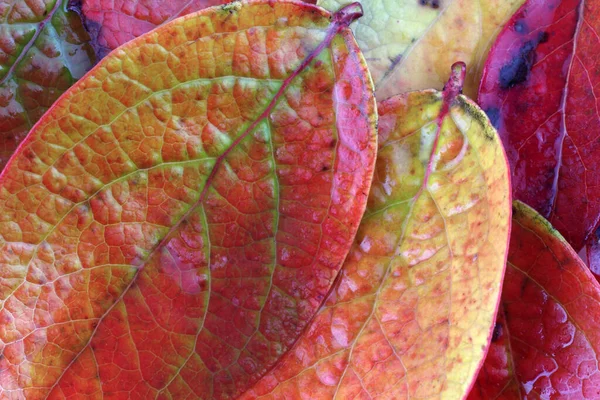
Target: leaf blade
194, 236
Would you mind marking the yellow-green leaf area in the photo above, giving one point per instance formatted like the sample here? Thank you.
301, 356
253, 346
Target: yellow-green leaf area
411, 44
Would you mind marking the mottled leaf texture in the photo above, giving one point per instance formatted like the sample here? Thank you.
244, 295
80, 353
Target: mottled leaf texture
112, 23
174, 221
547, 336
540, 89
411, 314
44, 49
411, 44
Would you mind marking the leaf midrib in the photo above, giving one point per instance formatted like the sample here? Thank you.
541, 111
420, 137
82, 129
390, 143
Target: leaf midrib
563, 110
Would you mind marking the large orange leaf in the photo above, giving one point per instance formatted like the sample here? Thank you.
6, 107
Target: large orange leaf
44, 49
411, 314
547, 338
172, 224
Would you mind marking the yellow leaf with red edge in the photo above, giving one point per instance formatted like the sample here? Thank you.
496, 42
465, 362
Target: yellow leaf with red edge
175, 220
412, 313
411, 44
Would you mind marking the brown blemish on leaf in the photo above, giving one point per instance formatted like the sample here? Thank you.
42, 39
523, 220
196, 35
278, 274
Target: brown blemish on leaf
435, 4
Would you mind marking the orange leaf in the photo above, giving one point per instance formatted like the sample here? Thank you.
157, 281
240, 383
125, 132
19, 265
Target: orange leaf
547, 337
172, 224
411, 314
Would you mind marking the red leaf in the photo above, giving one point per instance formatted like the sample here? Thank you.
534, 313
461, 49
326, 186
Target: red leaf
547, 338
44, 49
112, 23
541, 90
174, 221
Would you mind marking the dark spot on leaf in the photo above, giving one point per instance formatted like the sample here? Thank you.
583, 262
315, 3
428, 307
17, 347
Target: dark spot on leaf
494, 116
29, 154
435, 4
325, 168
395, 60
597, 233
497, 332
543, 38
524, 285
229, 7
75, 6
520, 26
517, 69
93, 29
45, 13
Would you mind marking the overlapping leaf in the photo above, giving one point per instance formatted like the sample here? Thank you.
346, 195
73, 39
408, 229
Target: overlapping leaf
411, 314
43, 50
540, 89
411, 44
176, 219
112, 23
547, 338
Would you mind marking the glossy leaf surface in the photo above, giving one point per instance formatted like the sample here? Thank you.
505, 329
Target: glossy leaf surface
540, 89
547, 338
112, 23
411, 44
411, 314
175, 220
44, 49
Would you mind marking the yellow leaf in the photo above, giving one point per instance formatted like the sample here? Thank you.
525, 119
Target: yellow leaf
411, 44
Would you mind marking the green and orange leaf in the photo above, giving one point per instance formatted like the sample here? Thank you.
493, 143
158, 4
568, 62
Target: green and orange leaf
412, 312
174, 221
44, 49
547, 338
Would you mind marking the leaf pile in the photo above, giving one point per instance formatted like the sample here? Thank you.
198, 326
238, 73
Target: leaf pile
220, 208
427, 262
